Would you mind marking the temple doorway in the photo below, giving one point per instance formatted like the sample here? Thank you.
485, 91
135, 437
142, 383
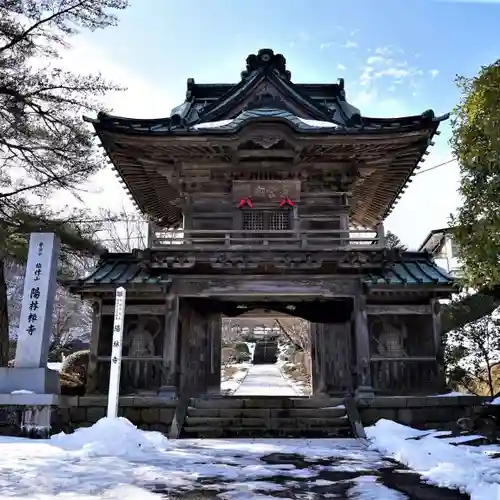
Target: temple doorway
306, 344
265, 353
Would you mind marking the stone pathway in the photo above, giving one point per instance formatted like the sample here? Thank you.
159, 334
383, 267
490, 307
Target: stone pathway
265, 380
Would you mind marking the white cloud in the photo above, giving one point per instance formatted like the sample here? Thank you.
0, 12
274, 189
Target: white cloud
386, 65
350, 44
434, 73
388, 50
341, 67
375, 60
326, 45
366, 76
393, 72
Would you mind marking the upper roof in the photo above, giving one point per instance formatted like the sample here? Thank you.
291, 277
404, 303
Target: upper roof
317, 114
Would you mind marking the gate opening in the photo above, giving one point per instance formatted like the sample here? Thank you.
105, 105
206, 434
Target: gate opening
265, 354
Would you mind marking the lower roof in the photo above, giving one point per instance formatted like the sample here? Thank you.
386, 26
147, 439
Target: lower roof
124, 269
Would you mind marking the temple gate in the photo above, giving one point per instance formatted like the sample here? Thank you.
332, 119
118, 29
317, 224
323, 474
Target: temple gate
268, 194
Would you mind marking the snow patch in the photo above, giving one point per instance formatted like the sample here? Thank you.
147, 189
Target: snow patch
110, 436
467, 469
367, 488
232, 384
452, 394
217, 124
318, 123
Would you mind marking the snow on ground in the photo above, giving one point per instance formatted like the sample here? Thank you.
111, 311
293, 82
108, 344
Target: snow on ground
452, 394
54, 366
231, 384
265, 380
114, 460
466, 468
301, 387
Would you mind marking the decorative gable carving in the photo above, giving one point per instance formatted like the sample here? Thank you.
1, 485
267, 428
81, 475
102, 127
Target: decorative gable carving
267, 59
266, 140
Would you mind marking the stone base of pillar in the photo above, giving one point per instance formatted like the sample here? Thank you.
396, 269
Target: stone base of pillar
364, 392
168, 391
34, 380
213, 391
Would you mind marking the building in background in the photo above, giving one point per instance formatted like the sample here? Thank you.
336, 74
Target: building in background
441, 245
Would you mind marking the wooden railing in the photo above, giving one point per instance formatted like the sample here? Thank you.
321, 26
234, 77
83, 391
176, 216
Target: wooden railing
402, 376
239, 239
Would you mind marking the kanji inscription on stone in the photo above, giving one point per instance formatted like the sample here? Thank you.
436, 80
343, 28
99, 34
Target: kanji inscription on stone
35, 324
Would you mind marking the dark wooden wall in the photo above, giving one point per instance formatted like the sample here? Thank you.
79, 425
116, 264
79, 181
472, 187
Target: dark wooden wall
195, 359
332, 358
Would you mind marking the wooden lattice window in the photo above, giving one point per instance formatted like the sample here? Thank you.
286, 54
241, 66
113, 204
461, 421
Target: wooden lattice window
266, 220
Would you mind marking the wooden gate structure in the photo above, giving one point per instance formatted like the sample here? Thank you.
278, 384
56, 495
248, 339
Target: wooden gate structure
268, 194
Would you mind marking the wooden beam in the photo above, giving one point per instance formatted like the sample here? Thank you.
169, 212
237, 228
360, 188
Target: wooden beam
152, 310
215, 351
397, 309
362, 342
170, 340
437, 330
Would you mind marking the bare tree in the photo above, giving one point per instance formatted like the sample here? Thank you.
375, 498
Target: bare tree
71, 318
473, 356
44, 144
296, 330
123, 231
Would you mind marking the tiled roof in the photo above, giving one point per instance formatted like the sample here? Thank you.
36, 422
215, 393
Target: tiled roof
121, 269
300, 124
124, 269
418, 272
208, 103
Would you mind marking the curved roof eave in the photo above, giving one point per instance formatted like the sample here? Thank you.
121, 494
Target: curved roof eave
435, 122
161, 126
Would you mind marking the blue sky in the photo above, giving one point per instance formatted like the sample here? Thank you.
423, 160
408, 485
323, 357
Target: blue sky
397, 57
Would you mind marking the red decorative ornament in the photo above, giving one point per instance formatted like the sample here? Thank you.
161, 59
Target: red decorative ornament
245, 201
284, 200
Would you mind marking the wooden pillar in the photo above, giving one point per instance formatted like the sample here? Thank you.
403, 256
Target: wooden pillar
214, 346
438, 344
92, 373
170, 349
194, 354
362, 341
317, 359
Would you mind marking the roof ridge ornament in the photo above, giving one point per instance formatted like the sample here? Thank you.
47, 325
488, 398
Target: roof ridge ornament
266, 59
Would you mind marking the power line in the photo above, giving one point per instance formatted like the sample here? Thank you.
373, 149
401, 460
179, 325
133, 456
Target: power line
435, 166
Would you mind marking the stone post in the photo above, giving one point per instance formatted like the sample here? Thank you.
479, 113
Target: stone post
35, 325
30, 384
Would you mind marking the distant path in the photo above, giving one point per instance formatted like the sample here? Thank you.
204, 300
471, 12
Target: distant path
265, 380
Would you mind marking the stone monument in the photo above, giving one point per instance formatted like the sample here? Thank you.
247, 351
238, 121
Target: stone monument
30, 384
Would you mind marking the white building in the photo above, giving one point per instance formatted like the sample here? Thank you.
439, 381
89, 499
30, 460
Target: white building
440, 243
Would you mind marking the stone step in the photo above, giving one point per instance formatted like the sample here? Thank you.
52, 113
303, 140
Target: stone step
207, 432
266, 412
233, 402
264, 423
